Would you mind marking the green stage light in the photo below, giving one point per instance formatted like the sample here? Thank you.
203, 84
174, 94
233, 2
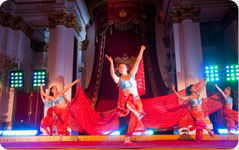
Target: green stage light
39, 77
16, 79
212, 73
233, 75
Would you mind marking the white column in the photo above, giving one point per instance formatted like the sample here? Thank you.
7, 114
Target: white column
69, 60
17, 44
12, 44
192, 51
56, 56
88, 57
179, 61
188, 53
6, 42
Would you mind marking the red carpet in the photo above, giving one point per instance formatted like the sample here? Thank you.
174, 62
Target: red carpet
119, 145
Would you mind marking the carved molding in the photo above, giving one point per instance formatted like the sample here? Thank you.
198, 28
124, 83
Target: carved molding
185, 12
16, 23
61, 18
84, 45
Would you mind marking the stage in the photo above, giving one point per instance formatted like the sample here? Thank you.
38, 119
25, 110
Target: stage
164, 142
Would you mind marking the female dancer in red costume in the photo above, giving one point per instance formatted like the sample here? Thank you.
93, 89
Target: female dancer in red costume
230, 115
131, 101
61, 107
48, 121
195, 100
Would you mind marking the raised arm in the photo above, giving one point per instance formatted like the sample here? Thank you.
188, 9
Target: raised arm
203, 85
44, 94
42, 98
220, 90
112, 70
179, 96
135, 67
69, 86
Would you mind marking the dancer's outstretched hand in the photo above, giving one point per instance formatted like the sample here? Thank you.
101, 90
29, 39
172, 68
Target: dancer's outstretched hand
173, 86
77, 80
206, 79
143, 47
109, 58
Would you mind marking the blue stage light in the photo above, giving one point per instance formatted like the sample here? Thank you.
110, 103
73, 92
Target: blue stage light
148, 132
234, 131
115, 133
19, 133
233, 72
212, 73
39, 77
16, 77
222, 131
225, 131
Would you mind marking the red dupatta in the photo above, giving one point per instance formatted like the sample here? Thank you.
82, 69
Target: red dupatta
162, 113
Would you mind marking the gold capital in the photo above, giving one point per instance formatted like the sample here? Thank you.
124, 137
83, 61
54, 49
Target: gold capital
16, 23
61, 18
185, 12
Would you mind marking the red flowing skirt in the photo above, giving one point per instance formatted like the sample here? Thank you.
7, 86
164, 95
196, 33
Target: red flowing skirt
63, 120
48, 120
232, 118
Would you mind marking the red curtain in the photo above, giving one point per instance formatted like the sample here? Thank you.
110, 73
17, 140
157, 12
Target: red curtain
29, 111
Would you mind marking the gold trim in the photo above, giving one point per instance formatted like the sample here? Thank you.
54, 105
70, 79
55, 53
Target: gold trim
185, 12
84, 45
61, 18
16, 23
99, 73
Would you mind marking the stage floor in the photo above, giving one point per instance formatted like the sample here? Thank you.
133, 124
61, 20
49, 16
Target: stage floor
164, 142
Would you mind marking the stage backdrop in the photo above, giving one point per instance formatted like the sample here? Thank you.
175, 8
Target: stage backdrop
121, 28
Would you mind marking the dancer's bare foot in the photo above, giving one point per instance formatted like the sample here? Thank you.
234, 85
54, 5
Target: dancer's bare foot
210, 133
128, 141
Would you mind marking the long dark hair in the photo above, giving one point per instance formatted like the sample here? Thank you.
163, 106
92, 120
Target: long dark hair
125, 66
188, 92
50, 93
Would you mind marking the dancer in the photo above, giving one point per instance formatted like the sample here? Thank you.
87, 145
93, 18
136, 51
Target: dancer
61, 107
48, 122
231, 116
195, 100
131, 101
